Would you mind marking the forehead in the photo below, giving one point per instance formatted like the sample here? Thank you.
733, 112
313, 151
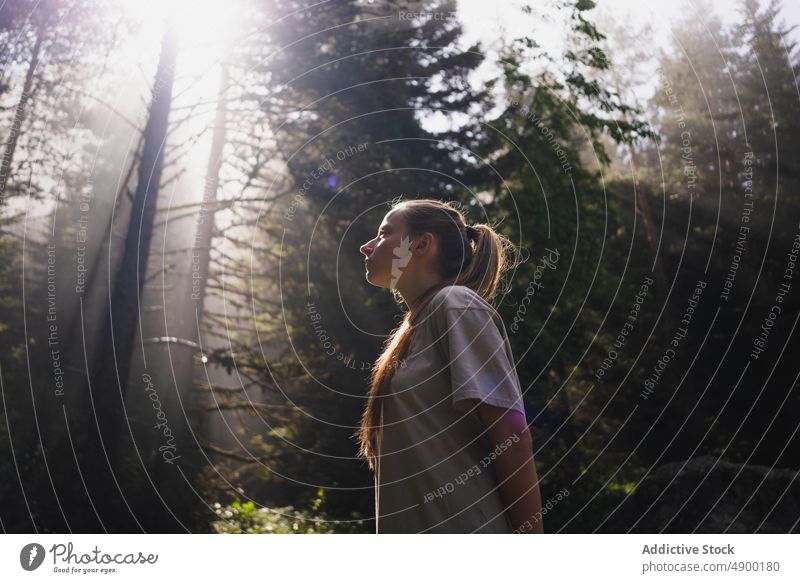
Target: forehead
392, 219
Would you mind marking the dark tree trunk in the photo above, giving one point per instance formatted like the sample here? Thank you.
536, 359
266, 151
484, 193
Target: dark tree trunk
109, 383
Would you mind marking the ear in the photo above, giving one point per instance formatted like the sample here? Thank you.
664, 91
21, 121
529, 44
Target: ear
425, 245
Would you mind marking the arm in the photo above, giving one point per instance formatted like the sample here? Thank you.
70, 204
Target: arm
514, 467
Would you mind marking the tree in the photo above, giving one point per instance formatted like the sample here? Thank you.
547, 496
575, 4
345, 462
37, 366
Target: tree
113, 363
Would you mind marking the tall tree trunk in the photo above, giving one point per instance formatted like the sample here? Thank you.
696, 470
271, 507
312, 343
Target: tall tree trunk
649, 226
109, 383
19, 113
205, 229
184, 409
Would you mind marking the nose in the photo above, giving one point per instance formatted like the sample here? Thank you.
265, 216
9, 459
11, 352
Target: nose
366, 249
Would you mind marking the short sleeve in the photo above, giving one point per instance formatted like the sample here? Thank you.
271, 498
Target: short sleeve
478, 356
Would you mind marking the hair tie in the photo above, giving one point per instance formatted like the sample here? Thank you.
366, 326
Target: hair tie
472, 232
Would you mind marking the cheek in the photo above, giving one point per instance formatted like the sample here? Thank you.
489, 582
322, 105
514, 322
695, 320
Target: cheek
383, 254
385, 248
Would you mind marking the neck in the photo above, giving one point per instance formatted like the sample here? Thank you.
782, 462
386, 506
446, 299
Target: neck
412, 291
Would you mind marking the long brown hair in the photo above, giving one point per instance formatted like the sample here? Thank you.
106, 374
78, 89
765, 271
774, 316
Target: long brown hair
475, 257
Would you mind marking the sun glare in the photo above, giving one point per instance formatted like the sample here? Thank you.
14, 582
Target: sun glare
205, 29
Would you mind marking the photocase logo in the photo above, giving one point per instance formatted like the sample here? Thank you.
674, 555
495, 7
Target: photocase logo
31, 556
402, 255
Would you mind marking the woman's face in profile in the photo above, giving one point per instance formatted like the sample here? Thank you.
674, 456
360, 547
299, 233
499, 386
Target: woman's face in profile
388, 254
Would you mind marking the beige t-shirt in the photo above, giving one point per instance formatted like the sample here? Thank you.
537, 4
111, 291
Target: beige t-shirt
435, 470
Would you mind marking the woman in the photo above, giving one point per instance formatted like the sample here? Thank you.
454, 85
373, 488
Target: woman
444, 428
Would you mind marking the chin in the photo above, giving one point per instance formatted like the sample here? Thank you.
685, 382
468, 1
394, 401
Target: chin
377, 281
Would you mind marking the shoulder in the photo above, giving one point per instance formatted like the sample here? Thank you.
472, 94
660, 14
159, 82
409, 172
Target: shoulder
460, 311
459, 297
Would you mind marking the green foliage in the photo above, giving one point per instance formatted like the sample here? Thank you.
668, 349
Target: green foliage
245, 518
